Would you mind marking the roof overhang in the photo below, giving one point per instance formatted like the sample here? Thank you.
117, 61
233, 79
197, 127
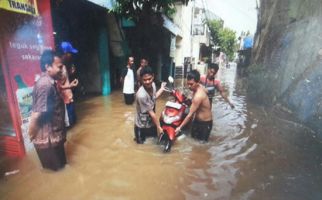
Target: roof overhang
172, 27
104, 3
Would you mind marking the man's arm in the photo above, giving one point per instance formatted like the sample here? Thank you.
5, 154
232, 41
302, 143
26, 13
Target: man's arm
161, 90
71, 85
193, 108
155, 121
33, 126
221, 91
123, 74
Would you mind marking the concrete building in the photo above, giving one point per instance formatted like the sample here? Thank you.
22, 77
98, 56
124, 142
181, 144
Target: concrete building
194, 37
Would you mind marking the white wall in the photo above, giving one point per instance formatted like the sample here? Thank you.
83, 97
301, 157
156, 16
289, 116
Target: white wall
183, 42
187, 45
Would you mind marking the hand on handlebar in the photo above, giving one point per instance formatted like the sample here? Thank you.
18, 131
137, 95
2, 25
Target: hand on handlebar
178, 130
167, 89
163, 84
160, 130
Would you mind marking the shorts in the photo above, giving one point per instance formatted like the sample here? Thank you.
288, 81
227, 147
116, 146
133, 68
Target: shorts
142, 133
200, 130
129, 98
70, 108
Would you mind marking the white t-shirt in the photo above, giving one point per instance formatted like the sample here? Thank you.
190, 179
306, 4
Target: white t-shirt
128, 87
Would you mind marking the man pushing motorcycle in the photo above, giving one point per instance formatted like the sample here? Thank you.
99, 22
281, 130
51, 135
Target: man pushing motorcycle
200, 110
146, 122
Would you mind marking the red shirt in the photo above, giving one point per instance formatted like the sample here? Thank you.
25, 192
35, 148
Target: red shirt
209, 84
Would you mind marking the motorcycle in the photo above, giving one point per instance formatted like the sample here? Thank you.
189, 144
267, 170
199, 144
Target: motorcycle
172, 116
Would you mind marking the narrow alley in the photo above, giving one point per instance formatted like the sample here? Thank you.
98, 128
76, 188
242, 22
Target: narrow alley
252, 154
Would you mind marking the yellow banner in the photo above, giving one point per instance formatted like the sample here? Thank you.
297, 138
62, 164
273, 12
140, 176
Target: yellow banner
21, 6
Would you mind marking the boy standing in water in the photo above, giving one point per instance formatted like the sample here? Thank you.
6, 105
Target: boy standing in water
128, 81
146, 121
143, 63
211, 84
65, 85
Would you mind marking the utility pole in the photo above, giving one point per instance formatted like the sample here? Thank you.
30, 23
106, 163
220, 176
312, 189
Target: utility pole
257, 8
192, 26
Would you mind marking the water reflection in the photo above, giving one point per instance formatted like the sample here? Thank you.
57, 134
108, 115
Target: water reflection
252, 154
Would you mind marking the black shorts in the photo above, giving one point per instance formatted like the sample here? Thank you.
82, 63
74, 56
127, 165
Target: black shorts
142, 133
129, 98
200, 130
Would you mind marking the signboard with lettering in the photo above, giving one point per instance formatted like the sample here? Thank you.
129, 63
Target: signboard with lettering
23, 39
20, 6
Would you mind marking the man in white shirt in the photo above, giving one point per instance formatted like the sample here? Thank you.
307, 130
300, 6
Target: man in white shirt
128, 80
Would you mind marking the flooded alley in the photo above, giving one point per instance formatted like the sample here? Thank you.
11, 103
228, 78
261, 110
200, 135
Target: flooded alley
253, 153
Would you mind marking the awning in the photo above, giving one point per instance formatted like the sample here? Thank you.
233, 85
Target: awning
21, 6
104, 3
172, 27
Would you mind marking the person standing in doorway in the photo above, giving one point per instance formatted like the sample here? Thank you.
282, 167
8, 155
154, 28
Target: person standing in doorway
143, 63
212, 84
146, 121
128, 80
47, 128
200, 110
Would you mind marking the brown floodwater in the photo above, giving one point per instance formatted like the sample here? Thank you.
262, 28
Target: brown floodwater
253, 153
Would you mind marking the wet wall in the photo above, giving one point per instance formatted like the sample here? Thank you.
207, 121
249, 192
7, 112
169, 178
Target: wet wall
287, 58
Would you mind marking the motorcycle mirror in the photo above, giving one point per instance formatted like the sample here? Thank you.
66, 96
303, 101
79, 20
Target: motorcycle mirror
170, 79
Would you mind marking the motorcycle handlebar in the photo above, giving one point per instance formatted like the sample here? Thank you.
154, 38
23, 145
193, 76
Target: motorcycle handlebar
168, 89
185, 100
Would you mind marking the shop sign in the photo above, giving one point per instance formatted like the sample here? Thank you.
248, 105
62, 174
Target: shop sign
21, 6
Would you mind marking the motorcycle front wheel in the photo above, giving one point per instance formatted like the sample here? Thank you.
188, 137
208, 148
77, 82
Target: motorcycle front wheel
165, 142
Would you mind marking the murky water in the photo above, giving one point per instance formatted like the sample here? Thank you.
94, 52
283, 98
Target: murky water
253, 153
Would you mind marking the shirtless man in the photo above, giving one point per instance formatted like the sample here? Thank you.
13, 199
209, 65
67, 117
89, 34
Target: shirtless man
200, 110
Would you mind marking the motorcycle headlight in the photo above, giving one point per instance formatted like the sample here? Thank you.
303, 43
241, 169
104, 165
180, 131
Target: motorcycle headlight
169, 120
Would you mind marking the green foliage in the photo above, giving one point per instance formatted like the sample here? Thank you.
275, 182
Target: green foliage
227, 41
136, 9
215, 26
223, 37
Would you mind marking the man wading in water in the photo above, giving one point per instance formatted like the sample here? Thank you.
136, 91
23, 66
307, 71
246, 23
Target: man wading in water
146, 121
212, 84
200, 110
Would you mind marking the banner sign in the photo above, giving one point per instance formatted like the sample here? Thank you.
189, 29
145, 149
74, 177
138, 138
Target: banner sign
20, 6
23, 39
